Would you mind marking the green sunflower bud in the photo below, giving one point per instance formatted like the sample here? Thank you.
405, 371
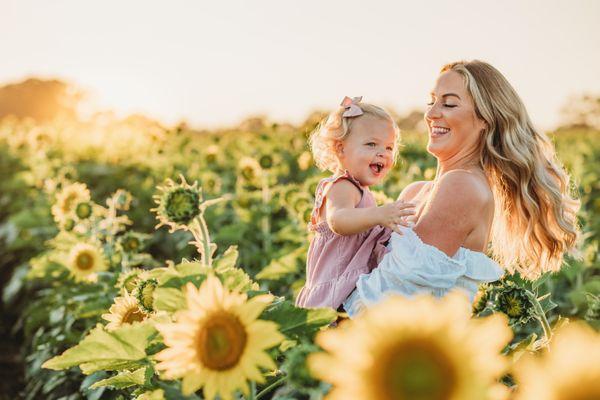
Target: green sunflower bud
122, 200
266, 161
178, 204
513, 301
144, 294
69, 224
83, 210
593, 311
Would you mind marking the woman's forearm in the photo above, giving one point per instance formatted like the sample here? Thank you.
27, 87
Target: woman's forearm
350, 221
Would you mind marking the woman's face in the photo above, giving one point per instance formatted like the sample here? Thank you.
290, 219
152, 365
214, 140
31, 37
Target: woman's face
454, 128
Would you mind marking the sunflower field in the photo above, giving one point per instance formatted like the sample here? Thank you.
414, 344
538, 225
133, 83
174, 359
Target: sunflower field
144, 262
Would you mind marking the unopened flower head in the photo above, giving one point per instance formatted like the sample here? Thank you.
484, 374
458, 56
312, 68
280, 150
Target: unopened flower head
144, 293
178, 204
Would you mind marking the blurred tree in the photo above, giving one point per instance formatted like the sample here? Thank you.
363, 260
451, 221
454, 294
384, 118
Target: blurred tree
412, 121
39, 99
582, 112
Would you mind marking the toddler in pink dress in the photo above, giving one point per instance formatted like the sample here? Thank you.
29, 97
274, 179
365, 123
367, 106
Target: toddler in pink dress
358, 143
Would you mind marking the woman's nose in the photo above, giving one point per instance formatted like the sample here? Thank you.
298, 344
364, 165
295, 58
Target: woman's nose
432, 113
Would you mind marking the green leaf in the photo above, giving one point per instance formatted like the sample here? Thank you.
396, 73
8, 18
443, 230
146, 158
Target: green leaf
227, 260
169, 299
123, 380
280, 267
103, 350
298, 322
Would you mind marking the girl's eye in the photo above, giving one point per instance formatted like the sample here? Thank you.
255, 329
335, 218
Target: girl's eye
450, 105
390, 149
370, 144
430, 103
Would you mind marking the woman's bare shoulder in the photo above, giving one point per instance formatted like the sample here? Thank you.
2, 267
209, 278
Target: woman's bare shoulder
412, 189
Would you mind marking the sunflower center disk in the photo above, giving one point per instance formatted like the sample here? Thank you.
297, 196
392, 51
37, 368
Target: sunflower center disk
85, 261
134, 314
182, 206
221, 342
416, 371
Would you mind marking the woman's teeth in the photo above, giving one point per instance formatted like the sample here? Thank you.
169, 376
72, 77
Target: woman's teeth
437, 130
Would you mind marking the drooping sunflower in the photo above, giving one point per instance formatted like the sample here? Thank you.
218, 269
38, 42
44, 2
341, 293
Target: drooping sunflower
178, 204
125, 310
67, 199
421, 348
570, 370
218, 343
85, 260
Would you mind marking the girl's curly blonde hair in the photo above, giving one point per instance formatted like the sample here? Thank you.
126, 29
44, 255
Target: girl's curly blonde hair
335, 127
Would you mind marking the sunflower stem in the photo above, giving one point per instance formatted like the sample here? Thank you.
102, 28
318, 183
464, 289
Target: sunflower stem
270, 387
252, 391
266, 221
541, 316
200, 232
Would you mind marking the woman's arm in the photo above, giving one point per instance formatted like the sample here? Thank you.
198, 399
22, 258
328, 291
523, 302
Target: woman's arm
457, 205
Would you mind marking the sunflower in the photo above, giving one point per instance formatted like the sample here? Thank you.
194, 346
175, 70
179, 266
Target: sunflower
144, 293
67, 199
178, 204
249, 169
85, 259
570, 370
420, 348
218, 343
125, 310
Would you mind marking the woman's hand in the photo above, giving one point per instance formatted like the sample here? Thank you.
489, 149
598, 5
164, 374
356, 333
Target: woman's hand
395, 214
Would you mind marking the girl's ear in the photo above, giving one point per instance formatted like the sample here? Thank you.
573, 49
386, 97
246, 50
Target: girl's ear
338, 146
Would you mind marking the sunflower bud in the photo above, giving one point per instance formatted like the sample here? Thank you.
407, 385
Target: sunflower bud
266, 161
83, 210
178, 204
513, 301
144, 294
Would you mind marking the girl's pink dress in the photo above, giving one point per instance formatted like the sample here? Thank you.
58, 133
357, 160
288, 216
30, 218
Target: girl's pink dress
334, 261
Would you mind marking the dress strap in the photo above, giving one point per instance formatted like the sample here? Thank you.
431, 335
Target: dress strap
323, 188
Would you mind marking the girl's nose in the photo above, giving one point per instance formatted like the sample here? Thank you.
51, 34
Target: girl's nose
432, 113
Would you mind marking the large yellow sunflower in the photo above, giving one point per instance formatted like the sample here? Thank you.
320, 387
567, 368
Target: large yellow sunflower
85, 260
569, 370
218, 343
67, 199
125, 310
414, 349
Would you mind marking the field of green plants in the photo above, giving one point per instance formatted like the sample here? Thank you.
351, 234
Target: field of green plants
151, 263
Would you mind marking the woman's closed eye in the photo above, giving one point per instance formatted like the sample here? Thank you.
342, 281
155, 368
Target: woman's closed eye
445, 105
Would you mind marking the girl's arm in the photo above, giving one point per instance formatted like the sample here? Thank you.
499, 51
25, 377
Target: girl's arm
344, 218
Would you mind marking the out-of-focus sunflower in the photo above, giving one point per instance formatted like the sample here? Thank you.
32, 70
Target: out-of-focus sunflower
67, 199
305, 160
569, 370
421, 348
144, 294
249, 169
178, 204
85, 260
125, 310
218, 343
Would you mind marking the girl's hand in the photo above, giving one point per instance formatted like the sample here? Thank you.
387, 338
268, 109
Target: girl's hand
394, 215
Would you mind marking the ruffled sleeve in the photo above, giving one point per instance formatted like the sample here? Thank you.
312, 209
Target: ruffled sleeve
413, 267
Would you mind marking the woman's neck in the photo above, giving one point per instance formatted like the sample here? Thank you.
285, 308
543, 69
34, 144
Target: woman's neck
450, 164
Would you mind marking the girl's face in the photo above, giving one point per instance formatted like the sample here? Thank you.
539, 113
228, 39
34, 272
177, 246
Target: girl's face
367, 153
454, 128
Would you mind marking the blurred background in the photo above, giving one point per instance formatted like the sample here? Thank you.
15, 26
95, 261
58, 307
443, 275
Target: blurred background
127, 94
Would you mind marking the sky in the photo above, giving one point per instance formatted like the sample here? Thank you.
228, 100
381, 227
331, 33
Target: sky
213, 63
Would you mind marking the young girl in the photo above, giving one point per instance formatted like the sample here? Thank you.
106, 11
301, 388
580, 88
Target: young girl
358, 144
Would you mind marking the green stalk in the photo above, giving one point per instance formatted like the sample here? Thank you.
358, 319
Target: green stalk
270, 387
541, 316
201, 235
266, 220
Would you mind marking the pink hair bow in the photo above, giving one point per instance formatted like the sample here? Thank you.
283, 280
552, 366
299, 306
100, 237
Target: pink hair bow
351, 105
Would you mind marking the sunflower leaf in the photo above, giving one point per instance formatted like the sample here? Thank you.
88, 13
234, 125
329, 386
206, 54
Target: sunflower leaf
168, 299
103, 350
227, 260
123, 380
295, 322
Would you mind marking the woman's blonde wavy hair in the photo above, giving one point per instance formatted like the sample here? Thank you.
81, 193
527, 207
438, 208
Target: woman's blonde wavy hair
535, 220
335, 128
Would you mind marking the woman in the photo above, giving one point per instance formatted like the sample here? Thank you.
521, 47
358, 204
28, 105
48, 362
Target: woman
498, 182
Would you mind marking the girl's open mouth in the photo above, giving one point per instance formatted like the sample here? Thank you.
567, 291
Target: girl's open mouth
376, 167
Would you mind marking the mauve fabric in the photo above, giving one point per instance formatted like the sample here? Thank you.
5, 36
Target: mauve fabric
335, 262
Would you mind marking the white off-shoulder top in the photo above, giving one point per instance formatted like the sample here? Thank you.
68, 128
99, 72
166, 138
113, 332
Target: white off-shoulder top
413, 267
